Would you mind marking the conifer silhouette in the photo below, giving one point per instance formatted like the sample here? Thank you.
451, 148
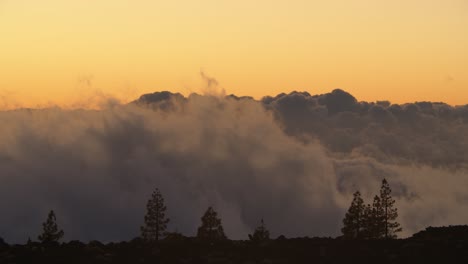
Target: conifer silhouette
373, 219
368, 222
155, 218
354, 221
389, 213
260, 233
211, 228
51, 232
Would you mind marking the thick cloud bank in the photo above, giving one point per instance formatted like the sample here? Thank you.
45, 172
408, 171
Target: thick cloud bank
294, 160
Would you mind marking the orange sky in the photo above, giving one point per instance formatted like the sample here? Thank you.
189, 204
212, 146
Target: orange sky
63, 51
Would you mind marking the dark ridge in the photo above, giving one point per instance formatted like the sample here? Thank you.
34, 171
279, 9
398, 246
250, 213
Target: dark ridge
434, 245
445, 233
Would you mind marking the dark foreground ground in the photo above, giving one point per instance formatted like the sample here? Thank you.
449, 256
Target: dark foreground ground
434, 245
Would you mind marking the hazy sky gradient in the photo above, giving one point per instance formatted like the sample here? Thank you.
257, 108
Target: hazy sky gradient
401, 50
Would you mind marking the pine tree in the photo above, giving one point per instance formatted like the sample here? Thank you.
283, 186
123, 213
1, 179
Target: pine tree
211, 228
374, 219
367, 222
155, 218
260, 234
389, 212
353, 223
50, 232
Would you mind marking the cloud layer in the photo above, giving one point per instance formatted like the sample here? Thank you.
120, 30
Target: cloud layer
293, 159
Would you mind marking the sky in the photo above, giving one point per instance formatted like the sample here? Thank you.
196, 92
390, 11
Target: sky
61, 52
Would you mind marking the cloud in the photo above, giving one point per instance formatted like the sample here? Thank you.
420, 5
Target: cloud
294, 159
212, 87
449, 79
423, 132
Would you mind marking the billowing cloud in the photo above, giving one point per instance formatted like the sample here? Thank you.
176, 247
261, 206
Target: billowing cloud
425, 133
293, 159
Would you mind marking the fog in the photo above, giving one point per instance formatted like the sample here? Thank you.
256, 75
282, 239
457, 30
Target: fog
294, 160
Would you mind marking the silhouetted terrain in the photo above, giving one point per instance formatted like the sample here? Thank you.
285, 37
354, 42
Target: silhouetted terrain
434, 245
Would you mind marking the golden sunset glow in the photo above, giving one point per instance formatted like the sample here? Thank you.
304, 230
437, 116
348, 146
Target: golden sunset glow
63, 51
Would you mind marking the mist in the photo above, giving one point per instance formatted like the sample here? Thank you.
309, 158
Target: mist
294, 160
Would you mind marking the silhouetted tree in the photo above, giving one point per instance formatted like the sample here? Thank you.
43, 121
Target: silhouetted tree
389, 212
260, 233
51, 232
367, 222
353, 223
211, 228
374, 219
155, 218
